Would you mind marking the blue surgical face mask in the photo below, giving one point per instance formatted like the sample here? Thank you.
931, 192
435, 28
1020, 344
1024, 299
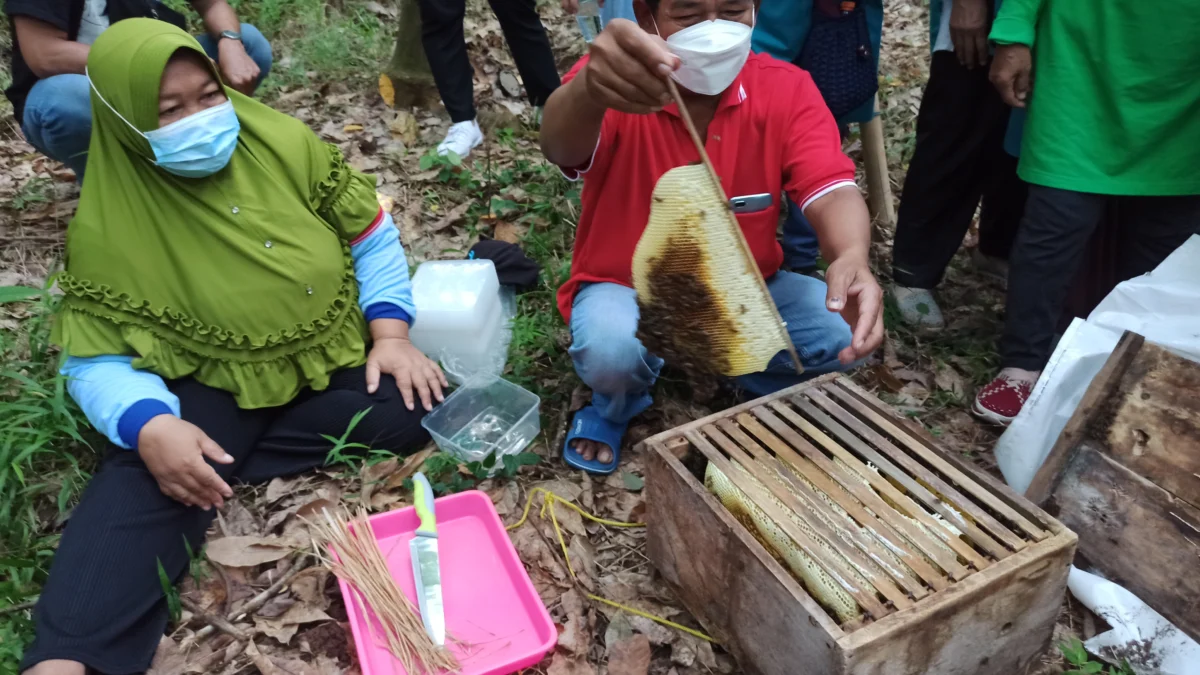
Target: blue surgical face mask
196, 146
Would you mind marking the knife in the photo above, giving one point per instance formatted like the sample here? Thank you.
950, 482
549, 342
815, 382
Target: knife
426, 566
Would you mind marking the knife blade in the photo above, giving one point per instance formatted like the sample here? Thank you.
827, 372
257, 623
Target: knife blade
426, 566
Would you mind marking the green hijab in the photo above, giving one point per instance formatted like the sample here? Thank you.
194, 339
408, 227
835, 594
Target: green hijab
242, 280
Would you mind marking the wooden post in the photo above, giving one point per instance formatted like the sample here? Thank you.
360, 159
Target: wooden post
879, 185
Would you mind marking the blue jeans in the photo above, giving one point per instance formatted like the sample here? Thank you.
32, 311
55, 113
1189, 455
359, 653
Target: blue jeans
58, 111
799, 240
620, 371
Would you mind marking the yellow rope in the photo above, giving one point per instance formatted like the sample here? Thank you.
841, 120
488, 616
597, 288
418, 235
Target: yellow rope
548, 503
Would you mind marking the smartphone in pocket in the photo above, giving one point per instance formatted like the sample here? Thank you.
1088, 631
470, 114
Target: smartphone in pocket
751, 203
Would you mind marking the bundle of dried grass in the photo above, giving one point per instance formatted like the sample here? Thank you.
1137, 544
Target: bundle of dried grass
348, 548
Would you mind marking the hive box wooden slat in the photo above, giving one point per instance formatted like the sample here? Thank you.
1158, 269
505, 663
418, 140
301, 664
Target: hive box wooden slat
1125, 474
992, 620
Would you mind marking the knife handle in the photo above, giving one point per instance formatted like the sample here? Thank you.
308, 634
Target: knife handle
423, 500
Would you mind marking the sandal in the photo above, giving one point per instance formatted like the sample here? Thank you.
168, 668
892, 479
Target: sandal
590, 426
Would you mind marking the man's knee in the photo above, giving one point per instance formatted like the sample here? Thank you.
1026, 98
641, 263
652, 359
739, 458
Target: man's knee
258, 48
822, 343
612, 365
59, 108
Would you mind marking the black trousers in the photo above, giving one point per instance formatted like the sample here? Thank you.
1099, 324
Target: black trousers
446, 49
959, 158
1052, 243
103, 604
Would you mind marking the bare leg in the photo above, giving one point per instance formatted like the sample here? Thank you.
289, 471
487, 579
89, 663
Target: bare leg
57, 667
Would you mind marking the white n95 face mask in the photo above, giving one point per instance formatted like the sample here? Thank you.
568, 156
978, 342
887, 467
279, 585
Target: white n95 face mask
712, 52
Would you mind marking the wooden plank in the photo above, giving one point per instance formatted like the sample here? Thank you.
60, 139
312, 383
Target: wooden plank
1151, 422
901, 502
681, 430
1007, 496
741, 595
898, 545
830, 516
915, 477
857, 487
803, 509
964, 480
837, 569
879, 186
1134, 533
995, 622
1060, 453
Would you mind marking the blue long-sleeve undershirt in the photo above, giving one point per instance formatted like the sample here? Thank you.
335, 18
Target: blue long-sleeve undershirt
119, 400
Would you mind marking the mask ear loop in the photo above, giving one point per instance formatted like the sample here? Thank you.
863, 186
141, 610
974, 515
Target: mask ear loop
109, 106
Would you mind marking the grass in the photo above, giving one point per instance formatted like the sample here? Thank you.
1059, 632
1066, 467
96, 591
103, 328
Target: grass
44, 462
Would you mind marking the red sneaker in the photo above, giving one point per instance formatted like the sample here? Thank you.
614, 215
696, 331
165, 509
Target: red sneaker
1002, 399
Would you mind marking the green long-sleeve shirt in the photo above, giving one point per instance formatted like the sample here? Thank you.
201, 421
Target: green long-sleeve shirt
1115, 107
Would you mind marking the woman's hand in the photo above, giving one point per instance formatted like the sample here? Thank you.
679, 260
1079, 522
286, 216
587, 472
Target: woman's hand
854, 293
398, 357
174, 452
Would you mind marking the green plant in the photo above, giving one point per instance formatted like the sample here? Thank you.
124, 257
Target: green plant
174, 605
196, 566
1076, 655
448, 475
345, 452
450, 170
37, 190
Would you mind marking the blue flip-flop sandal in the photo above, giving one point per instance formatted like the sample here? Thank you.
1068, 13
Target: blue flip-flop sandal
590, 426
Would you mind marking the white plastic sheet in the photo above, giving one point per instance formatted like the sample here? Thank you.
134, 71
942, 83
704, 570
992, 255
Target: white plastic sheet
1163, 306
1141, 636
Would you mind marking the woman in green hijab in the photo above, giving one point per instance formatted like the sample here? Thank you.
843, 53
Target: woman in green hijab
233, 295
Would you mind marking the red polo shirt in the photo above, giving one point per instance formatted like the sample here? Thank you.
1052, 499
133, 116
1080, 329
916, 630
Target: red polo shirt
771, 132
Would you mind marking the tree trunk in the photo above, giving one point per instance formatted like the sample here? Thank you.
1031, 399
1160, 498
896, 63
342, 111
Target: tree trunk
408, 68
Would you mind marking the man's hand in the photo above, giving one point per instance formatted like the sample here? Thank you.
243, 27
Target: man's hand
398, 357
969, 31
628, 68
174, 452
854, 293
1012, 74
237, 68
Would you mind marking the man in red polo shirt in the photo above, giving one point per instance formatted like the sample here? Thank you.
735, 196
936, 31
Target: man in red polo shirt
767, 130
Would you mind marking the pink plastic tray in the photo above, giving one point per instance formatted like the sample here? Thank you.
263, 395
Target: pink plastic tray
495, 617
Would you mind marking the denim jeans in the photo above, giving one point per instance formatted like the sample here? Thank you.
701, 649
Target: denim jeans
620, 371
799, 240
58, 112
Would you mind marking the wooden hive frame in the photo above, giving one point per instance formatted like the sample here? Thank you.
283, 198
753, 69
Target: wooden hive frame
982, 603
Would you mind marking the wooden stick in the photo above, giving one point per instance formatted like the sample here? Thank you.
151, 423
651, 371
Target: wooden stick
214, 621
741, 237
262, 598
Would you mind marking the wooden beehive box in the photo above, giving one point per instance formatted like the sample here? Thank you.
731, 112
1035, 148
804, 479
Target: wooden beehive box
1125, 475
988, 606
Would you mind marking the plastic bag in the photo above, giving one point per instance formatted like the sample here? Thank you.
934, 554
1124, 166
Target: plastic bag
1161, 306
1141, 636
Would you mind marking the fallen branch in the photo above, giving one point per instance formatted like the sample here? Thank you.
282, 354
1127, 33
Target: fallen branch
214, 621
28, 604
261, 599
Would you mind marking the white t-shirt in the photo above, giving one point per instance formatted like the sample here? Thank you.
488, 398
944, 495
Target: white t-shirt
94, 22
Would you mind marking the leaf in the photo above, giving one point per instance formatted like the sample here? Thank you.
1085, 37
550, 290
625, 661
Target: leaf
17, 293
948, 379
456, 214
630, 656
387, 91
352, 127
174, 607
426, 162
507, 232
284, 627
246, 551
562, 664
1073, 652
502, 206
264, 665
632, 481
169, 658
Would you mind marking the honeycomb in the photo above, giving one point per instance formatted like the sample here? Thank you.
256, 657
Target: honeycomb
703, 305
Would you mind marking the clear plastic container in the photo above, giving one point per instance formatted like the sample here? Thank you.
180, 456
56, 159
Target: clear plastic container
485, 415
460, 320
588, 18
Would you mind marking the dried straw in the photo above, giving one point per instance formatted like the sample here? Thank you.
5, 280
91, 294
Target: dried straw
356, 559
